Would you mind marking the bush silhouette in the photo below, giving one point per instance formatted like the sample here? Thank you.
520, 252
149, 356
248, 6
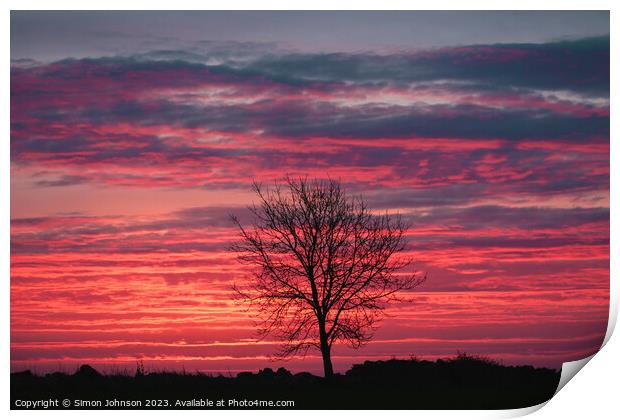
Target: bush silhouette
463, 382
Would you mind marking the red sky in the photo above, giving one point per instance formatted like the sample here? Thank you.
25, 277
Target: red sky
125, 169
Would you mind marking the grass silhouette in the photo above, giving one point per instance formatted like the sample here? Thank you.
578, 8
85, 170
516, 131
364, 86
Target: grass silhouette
462, 382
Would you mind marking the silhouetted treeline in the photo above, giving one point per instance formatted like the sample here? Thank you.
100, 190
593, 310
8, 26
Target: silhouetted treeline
463, 382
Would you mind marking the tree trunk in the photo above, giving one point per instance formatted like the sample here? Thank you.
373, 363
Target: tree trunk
327, 361
325, 351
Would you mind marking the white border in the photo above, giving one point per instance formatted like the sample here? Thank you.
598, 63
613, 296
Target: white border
310, 5
593, 394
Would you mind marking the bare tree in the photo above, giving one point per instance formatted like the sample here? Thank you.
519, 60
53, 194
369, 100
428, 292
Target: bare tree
325, 266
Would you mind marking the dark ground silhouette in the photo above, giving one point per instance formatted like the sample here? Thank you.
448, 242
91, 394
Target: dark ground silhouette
463, 382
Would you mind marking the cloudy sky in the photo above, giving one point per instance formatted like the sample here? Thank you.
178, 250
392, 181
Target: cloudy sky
134, 135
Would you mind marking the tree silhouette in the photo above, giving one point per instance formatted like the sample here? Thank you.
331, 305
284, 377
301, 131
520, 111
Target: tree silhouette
325, 266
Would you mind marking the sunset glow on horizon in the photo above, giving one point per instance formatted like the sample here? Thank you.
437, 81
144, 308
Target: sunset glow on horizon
131, 148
